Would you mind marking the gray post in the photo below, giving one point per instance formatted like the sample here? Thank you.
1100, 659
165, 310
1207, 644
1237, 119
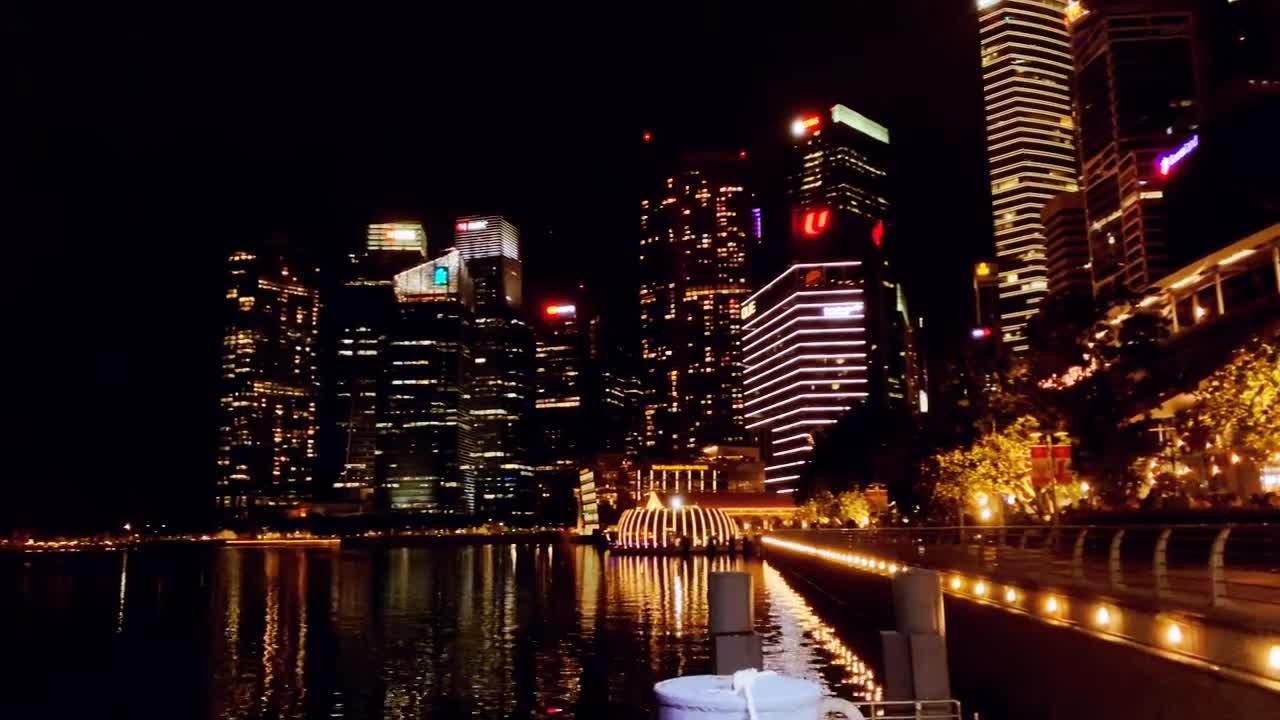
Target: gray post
1161, 563
1216, 565
1077, 556
1113, 564
915, 653
734, 643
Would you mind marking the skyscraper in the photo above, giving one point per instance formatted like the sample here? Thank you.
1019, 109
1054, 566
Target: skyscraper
498, 398
1137, 103
1031, 152
365, 311
1066, 238
267, 429
560, 406
842, 163
424, 433
491, 246
696, 236
820, 338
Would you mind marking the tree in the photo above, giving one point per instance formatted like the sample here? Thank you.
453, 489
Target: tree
1239, 404
996, 467
853, 506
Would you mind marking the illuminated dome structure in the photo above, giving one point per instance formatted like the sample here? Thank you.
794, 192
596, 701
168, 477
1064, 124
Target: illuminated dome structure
656, 529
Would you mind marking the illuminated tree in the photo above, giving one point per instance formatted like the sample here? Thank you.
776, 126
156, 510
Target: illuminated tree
853, 505
1239, 404
997, 466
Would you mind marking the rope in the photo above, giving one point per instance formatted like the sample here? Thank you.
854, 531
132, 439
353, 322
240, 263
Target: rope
743, 680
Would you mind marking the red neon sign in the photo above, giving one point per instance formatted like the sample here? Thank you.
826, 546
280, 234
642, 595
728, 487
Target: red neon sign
815, 221
877, 233
557, 310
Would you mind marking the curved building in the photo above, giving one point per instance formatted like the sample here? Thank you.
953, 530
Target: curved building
1031, 151
659, 528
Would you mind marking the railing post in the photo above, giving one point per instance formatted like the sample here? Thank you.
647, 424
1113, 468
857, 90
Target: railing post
1216, 565
1113, 561
1077, 556
1160, 564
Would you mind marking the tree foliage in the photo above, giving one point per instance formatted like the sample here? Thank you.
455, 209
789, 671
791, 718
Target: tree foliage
996, 466
1239, 404
824, 507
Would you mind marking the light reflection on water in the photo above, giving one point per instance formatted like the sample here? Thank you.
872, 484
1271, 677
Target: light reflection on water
488, 631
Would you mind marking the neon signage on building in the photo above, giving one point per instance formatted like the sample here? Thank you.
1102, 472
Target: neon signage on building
1166, 162
815, 221
472, 225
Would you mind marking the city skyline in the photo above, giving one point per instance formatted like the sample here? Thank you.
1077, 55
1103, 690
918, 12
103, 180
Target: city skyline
543, 169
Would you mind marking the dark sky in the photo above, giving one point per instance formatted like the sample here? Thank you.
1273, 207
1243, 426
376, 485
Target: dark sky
149, 142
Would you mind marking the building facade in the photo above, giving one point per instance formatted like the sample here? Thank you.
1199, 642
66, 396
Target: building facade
841, 163
267, 420
1067, 243
498, 398
1031, 151
366, 311
424, 432
1137, 104
560, 406
807, 361
697, 235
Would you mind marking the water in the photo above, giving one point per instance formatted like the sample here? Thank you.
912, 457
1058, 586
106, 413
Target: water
486, 631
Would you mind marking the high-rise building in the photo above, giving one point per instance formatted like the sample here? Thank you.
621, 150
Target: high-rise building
491, 246
820, 338
560, 405
1137, 106
842, 163
621, 413
267, 429
696, 238
1066, 238
1031, 152
365, 311
499, 393
424, 432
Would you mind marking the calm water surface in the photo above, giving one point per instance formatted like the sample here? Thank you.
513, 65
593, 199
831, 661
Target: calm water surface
488, 631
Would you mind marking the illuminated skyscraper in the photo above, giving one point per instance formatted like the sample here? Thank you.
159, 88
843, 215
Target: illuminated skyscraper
842, 165
560, 406
1031, 152
491, 246
696, 236
267, 430
365, 312
820, 338
498, 398
424, 433
1137, 100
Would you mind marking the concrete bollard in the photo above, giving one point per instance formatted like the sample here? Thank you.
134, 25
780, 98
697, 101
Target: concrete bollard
734, 643
915, 654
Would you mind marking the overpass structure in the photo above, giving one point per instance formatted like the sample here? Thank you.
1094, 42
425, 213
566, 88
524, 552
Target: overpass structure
1205, 596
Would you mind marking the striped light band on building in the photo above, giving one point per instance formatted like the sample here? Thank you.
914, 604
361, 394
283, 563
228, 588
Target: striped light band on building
815, 369
753, 326
486, 236
829, 381
816, 409
802, 358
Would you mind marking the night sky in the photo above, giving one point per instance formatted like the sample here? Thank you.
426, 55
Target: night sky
148, 143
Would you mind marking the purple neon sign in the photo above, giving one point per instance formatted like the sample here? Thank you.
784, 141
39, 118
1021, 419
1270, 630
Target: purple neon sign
1166, 162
